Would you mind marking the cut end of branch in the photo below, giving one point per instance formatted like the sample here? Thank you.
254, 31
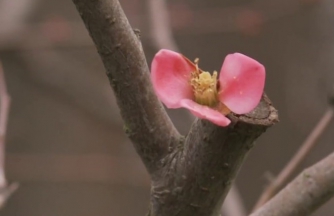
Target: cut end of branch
264, 114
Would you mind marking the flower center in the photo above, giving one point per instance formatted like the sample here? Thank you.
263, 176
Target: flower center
204, 86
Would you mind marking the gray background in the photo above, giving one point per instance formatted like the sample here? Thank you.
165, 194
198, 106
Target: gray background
65, 142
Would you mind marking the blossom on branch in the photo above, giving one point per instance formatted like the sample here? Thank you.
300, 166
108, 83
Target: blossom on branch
178, 82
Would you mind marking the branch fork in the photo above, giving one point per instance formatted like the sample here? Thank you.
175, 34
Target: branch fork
190, 175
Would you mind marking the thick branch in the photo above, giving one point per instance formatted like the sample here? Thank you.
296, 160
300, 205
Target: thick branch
195, 180
312, 188
146, 123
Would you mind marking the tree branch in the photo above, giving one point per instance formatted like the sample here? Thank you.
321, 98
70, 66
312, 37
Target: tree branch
162, 35
233, 205
312, 188
190, 177
4, 112
146, 122
196, 179
5, 190
296, 160
161, 30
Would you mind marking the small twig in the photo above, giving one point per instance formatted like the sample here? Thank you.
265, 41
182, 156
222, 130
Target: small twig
233, 205
4, 111
161, 29
307, 192
5, 190
296, 160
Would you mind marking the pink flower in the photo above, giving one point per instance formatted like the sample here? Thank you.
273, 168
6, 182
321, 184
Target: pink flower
180, 83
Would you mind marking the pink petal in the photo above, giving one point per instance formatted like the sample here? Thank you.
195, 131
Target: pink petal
170, 75
205, 112
241, 83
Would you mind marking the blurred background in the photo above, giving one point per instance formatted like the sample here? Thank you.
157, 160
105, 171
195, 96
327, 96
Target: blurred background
65, 143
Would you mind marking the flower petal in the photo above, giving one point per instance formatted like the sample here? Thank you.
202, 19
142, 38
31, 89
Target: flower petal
170, 75
205, 112
241, 82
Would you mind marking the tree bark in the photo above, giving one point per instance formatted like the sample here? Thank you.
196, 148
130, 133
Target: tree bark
196, 177
145, 121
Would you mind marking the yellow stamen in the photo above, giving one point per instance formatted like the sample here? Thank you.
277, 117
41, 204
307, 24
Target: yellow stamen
204, 86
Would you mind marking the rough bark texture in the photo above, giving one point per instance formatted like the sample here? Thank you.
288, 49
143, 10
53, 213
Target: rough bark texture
312, 188
145, 121
190, 176
196, 177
